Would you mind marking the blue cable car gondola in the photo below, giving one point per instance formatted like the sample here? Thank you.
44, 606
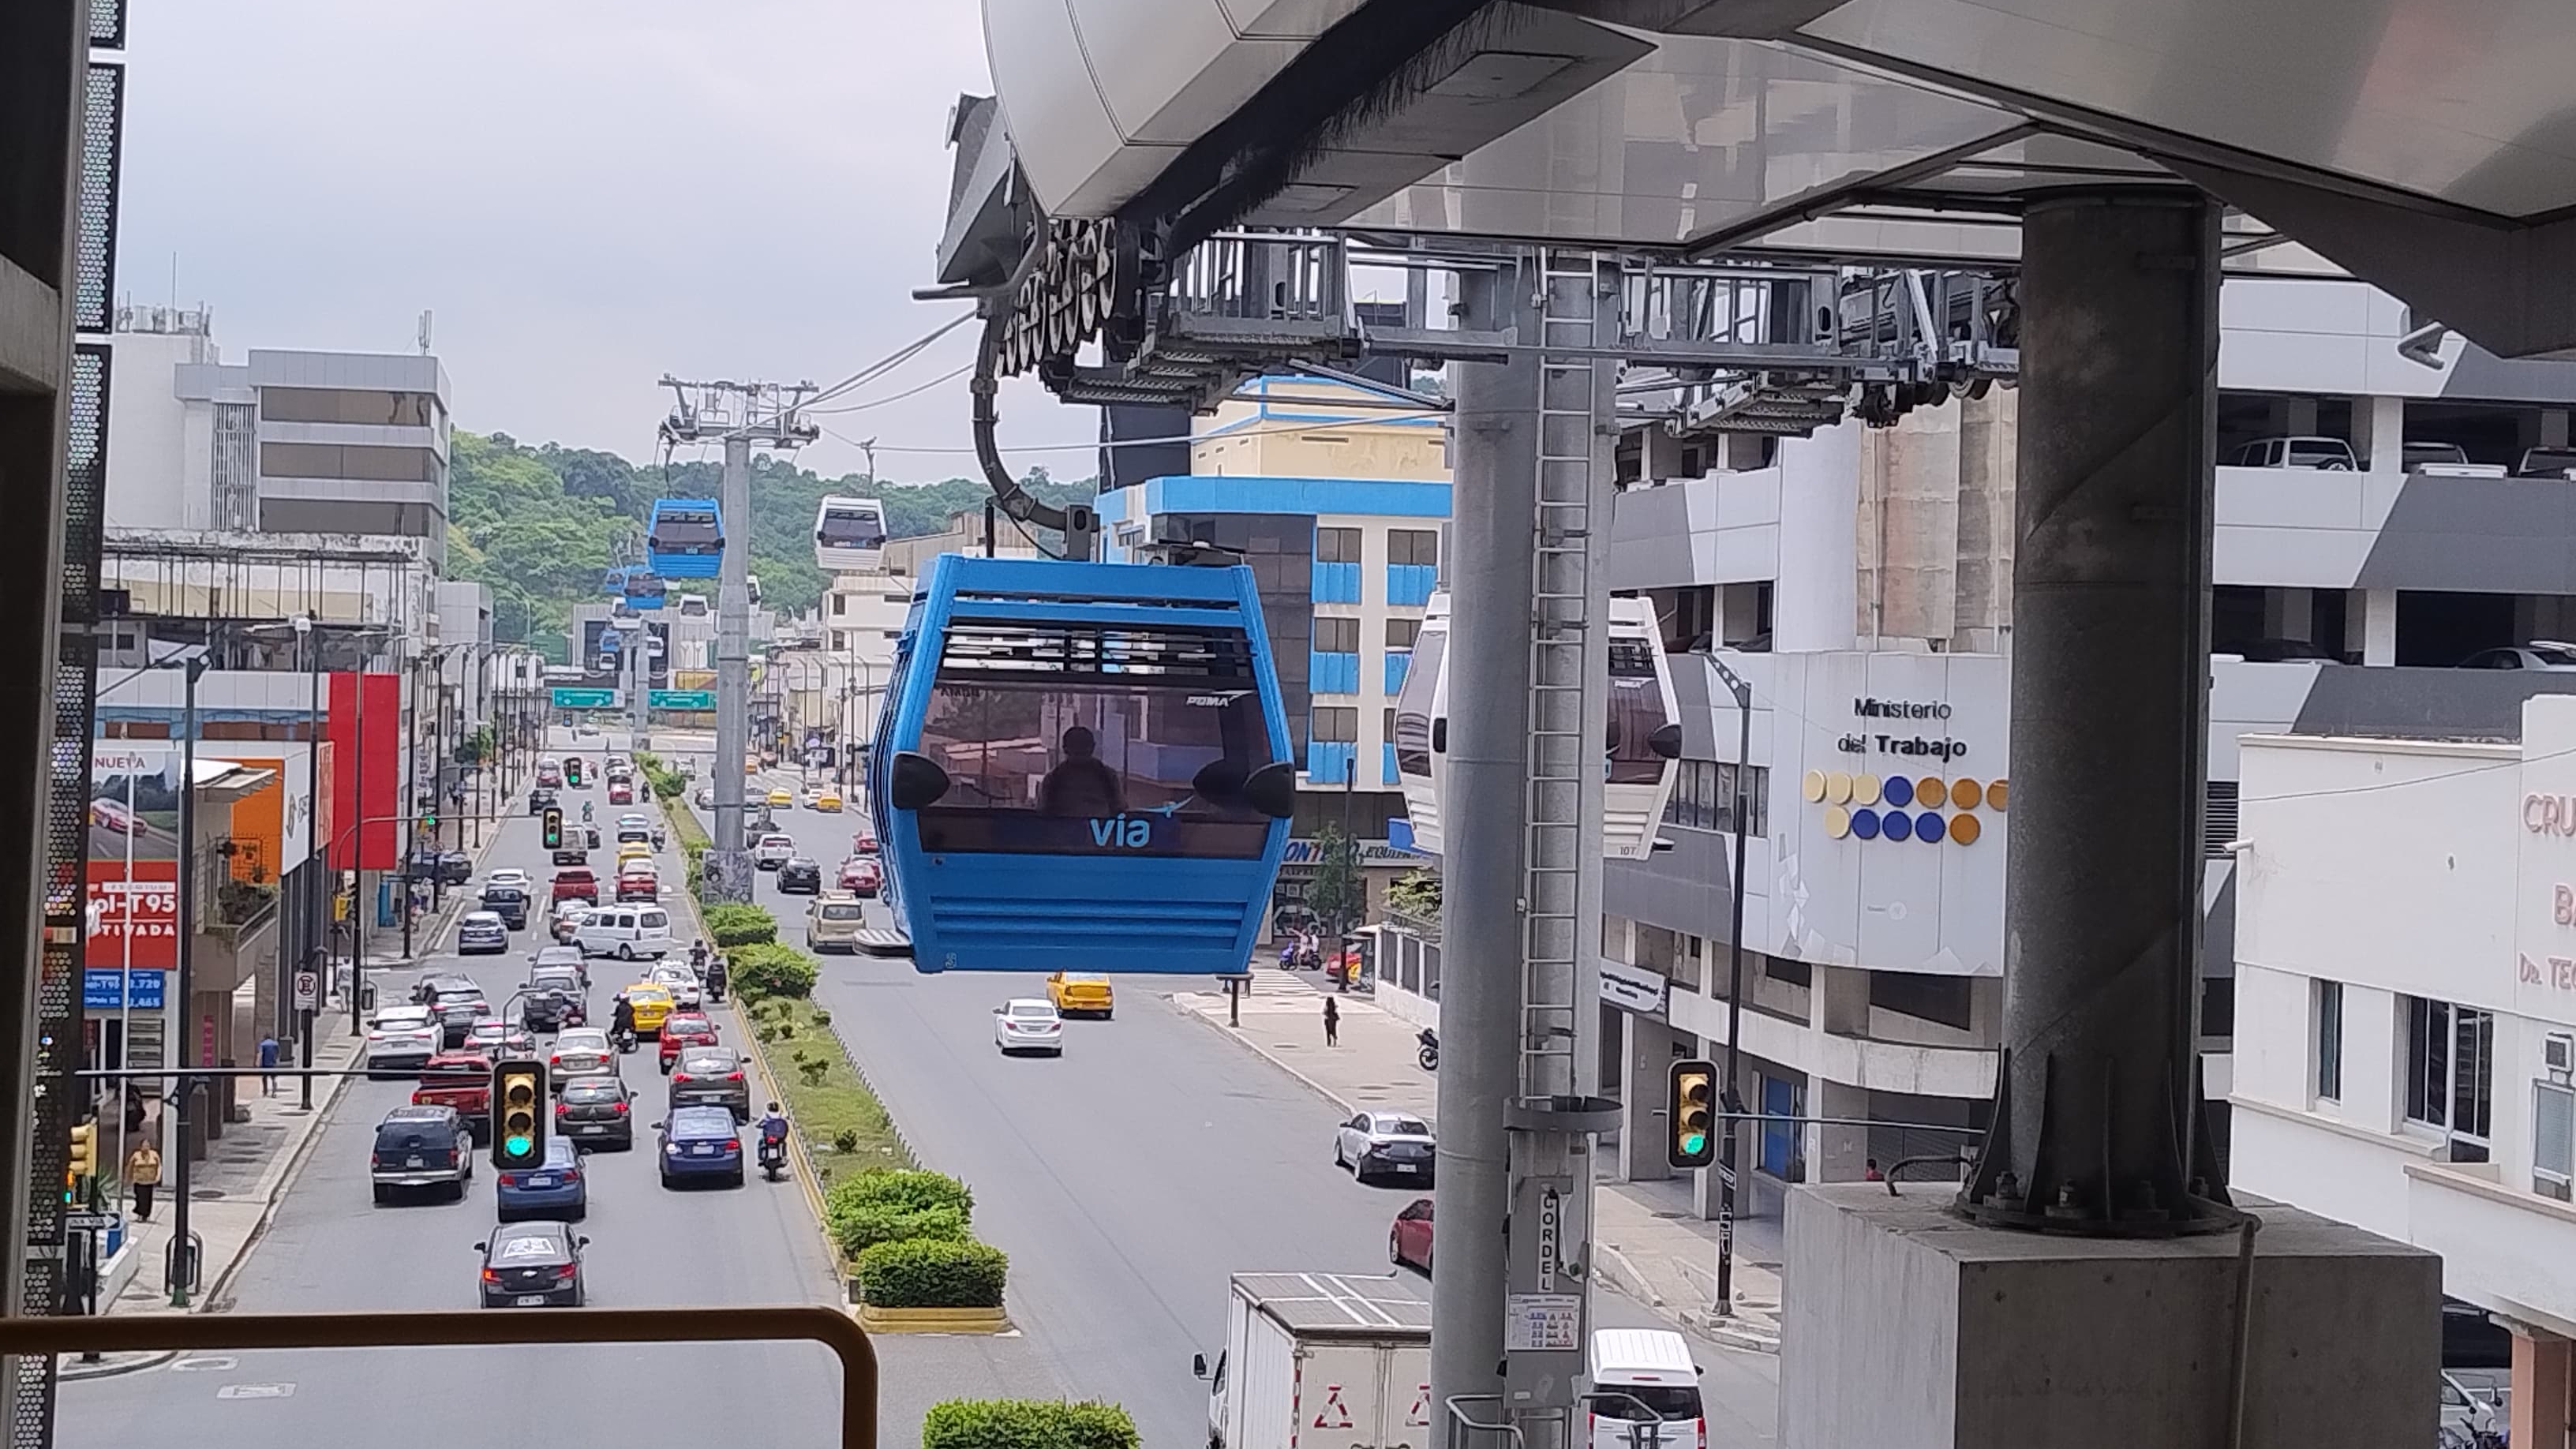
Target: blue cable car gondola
1082, 766
685, 538
640, 588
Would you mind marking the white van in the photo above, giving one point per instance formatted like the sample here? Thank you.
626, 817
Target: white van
626, 932
1637, 1370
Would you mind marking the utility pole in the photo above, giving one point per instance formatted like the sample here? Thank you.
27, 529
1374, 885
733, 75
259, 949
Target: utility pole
740, 414
1730, 1167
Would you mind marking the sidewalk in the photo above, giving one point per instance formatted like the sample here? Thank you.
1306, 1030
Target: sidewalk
1646, 1241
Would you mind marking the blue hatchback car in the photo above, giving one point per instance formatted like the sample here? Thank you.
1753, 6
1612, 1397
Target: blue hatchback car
701, 1142
560, 1189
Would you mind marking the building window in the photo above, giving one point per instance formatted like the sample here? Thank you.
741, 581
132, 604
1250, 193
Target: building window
1942, 999
1400, 633
1337, 636
2326, 1038
1704, 797
348, 405
840, 605
2553, 1139
1335, 724
1386, 725
1337, 545
1412, 546
2450, 1076
1795, 973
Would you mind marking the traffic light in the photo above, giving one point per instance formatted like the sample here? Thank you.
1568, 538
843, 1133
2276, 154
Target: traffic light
1694, 1115
554, 828
84, 1159
519, 1115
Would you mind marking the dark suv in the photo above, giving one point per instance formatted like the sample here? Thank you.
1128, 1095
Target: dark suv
421, 1147
457, 1009
510, 903
540, 800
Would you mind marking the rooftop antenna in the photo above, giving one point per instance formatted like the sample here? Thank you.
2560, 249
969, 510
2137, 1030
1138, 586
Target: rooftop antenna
424, 332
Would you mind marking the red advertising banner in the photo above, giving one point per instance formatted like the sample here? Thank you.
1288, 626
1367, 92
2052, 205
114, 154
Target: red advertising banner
365, 835
143, 909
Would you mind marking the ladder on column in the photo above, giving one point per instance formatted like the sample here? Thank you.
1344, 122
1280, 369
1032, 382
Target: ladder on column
1573, 289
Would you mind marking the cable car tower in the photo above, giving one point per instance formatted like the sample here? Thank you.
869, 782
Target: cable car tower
740, 415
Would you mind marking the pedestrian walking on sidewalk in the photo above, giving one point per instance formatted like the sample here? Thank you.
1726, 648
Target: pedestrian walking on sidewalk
143, 1171
1869, 1171
268, 1065
1332, 1022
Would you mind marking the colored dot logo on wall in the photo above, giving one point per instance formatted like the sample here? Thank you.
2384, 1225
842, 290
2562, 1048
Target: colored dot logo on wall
1900, 807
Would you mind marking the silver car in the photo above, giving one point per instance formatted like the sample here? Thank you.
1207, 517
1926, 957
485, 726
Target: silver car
1385, 1144
581, 1051
482, 933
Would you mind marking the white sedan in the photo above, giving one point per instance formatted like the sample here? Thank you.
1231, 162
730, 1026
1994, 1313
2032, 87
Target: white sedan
1028, 1024
508, 875
581, 1051
401, 1040
1394, 1145
681, 982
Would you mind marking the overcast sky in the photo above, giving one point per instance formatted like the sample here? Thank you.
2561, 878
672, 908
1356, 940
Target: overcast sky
586, 194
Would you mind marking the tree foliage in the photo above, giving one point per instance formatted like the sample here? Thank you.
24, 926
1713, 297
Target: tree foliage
1337, 894
542, 526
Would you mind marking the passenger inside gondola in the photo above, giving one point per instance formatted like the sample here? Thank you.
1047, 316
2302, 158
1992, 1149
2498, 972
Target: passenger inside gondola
1080, 784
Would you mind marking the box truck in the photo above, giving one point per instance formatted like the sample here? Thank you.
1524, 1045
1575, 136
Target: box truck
1321, 1361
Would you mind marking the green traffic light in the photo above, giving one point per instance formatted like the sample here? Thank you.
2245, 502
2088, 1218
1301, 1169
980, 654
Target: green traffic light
1694, 1143
517, 1146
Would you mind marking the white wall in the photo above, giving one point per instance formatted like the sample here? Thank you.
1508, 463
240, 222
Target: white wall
148, 436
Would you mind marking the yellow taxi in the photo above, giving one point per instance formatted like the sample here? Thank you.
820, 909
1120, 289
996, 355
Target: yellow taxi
829, 802
651, 1005
1081, 993
633, 850
782, 797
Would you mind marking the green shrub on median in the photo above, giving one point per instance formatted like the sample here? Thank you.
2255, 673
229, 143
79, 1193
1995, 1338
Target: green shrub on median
769, 969
733, 924
1026, 1424
868, 1224
933, 1273
911, 1189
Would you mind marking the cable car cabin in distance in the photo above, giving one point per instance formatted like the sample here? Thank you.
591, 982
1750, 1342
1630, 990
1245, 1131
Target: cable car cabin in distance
1641, 738
642, 589
684, 538
1082, 766
849, 534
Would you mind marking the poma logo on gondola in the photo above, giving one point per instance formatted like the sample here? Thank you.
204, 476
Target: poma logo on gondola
1121, 831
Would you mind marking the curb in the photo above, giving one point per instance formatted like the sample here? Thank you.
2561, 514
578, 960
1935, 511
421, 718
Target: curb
75, 1371
1624, 1275
282, 1179
931, 1320
1735, 1333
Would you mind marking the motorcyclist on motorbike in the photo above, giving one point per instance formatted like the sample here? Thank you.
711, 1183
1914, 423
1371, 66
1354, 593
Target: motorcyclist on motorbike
773, 1140
698, 956
585, 812
716, 977
621, 1023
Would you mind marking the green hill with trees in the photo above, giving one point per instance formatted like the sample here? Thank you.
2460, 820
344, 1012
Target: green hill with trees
542, 526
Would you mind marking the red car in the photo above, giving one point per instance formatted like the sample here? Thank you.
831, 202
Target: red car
621, 793
1409, 1242
685, 1029
576, 884
861, 875
462, 1080
864, 843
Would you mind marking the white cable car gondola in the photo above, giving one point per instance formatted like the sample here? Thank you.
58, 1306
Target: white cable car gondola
1644, 733
849, 535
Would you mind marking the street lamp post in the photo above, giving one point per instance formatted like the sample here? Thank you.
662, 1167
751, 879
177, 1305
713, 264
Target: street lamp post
183, 1259
1728, 1157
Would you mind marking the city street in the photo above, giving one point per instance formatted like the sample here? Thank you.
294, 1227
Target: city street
1129, 1178
329, 1248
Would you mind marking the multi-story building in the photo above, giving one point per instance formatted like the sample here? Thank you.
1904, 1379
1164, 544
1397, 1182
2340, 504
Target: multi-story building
1860, 582
1336, 493
283, 442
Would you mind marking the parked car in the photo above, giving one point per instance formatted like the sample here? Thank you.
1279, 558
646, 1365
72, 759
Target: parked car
2331, 454
532, 1265
482, 933
700, 1142
556, 1189
711, 1075
2539, 654
1408, 1242
419, 1147
1385, 1144
833, 923
2547, 463
597, 1109
799, 876
1026, 1024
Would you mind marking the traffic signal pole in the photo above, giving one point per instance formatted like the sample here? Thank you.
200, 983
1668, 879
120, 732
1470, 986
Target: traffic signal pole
1729, 1165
